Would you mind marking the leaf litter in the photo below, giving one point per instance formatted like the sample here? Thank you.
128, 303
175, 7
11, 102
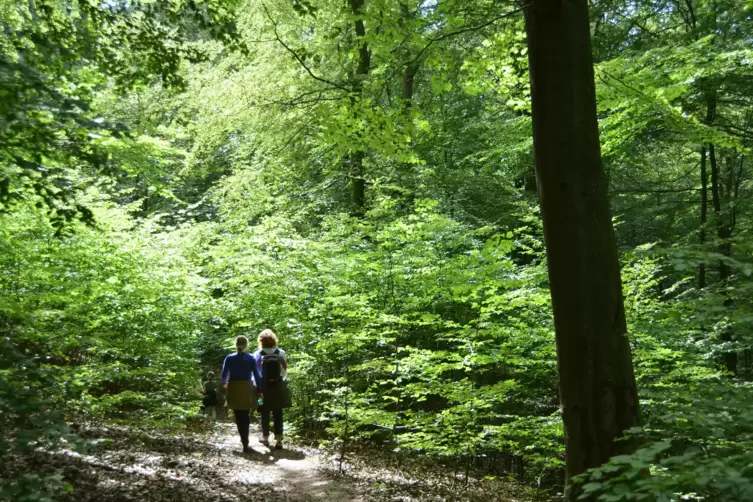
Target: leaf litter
125, 464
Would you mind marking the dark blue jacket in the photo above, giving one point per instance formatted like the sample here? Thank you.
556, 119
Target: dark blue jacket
241, 367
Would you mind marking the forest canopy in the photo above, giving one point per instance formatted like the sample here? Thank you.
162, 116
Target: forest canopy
364, 178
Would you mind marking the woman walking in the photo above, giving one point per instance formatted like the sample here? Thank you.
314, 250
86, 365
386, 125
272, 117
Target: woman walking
273, 366
237, 371
210, 389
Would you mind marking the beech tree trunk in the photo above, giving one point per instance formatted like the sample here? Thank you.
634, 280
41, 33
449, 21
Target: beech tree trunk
722, 229
597, 385
410, 68
409, 72
357, 175
724, 234
704, 215
708, 120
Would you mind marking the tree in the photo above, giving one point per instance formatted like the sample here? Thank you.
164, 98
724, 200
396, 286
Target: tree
54, 56
597, 385
682, 74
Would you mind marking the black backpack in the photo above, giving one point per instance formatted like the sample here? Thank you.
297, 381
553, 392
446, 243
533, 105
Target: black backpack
271, 367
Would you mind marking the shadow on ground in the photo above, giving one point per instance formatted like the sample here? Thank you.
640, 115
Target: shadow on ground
135, 465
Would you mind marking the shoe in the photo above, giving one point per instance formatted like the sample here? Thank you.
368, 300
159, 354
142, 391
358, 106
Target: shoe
278, 445
264, 440
247, 449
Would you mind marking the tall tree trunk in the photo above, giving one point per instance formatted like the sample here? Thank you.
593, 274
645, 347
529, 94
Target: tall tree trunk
410, 68
722, 229
409, 72
708, 120
357, 175
597, 385
717, 202
357, 182
735, 194
704, 215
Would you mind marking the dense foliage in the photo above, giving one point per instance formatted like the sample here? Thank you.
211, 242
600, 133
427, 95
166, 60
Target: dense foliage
358, 177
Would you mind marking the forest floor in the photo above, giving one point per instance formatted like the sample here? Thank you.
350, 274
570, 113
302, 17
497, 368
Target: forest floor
127, 465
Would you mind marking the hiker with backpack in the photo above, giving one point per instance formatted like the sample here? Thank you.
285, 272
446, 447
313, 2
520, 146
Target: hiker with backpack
237, 370
273, 367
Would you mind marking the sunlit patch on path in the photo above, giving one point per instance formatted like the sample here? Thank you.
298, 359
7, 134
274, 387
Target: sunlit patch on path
289, 472
132, 465
126, 465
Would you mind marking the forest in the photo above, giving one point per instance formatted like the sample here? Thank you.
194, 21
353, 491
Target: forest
505, 243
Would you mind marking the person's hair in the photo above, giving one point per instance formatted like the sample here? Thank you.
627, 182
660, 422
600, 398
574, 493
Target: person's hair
241, 341
267, 339
210, 375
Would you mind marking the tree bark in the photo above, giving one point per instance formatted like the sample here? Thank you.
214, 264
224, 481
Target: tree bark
716, 199
730, 358
364, 56
704, 215
409, 72
723, 232
410, 67
708, 120
357, 175
597, 385
357, 182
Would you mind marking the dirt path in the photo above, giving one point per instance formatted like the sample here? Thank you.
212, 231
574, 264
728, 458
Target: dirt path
290, 473
126, 465
131, 465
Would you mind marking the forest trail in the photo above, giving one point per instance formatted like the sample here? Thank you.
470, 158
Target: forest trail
128, 464
289, 473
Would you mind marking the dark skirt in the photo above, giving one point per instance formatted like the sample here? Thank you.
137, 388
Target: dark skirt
241, 395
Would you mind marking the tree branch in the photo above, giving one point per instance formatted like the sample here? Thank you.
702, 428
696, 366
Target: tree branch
297, 57
465, 30
290, 140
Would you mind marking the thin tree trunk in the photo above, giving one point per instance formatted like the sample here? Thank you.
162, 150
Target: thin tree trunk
730, 358
736, 195
346, 430
704, 215
717, 202
357, 182
406, 169
597, 385
357, 175
409, 73
411, 67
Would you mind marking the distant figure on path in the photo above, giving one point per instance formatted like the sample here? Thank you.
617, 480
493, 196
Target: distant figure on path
210, 388
273, 366
241, 394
